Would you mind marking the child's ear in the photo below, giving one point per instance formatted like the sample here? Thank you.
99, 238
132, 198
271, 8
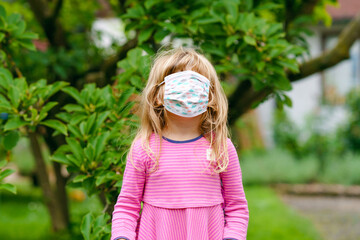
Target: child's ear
158, 97
158, 102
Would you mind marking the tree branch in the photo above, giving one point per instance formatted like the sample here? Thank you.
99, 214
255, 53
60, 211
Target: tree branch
245, 96
48, 20
57, 9
333, 56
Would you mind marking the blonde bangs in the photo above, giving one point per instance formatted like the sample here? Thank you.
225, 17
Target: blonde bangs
153, 116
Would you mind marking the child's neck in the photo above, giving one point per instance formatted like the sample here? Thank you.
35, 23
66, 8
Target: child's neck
182, 128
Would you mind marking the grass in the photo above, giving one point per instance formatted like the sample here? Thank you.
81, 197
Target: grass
271, 219
24, 216
279, 166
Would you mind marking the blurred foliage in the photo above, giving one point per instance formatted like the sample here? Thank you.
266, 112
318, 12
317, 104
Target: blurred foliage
311, 139
278, 165
285, 133
314, 139
352, 129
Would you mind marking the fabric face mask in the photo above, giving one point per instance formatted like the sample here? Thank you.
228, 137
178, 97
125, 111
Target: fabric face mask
186, 93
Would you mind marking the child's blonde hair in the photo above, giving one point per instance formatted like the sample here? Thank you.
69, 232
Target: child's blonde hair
153, 115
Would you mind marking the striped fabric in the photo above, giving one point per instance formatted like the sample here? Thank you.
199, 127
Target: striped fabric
182, 200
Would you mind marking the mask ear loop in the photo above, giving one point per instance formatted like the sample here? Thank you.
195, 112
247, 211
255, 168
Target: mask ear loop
158, 85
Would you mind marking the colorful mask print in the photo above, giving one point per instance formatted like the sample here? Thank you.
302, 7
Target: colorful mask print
186, 93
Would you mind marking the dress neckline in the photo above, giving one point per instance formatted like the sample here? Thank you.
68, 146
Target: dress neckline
182, 141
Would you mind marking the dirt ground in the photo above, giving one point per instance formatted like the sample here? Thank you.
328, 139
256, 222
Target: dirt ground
336, 218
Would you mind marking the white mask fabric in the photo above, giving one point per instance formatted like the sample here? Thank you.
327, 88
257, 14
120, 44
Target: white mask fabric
186, 93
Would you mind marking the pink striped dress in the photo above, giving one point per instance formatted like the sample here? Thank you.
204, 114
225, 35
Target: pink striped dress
181, 200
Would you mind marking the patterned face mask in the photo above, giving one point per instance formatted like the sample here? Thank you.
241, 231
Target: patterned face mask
186, 93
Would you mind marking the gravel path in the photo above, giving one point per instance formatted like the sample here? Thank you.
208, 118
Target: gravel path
336, 218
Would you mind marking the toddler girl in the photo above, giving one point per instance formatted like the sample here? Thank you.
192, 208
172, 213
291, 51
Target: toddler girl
181, 165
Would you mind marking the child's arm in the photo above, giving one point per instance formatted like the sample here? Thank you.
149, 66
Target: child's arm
128, 205
235, 204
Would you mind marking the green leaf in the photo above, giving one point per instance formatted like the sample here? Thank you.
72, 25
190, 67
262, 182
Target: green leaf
287, 100
14, 123
5, 78
2, 53
160, 35
89, 152
101, 178
29, 35
80, 178
10, 139
86, 226
74, 108
206, 20
101, 226
230, 40
134, 12
90, 123
56, 124
14, 18
82, 128
27, 43
137, 81
149, 3
100, 143
9, 187
73, 92
2, 11
14, 96
125, 96
168, 26
292, 65
76, 162
3, 163
44, 110
5, 104
250, 40
145, 34
211, 48
76, 148
75, 131
101, 118
54, 88
6, 173
21, 84
61, 158
21, 26
134, 56
77, 118
283, 83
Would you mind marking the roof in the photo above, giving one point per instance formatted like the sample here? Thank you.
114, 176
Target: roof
346, 9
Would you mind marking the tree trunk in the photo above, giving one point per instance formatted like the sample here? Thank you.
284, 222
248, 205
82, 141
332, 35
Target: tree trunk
51, 201
54, 143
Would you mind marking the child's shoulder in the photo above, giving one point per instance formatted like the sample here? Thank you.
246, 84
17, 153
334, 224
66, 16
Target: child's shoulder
140, 144
229, 142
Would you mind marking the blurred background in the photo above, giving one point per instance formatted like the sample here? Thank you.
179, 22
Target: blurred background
71, 73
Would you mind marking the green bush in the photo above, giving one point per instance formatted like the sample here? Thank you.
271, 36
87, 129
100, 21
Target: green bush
276, 166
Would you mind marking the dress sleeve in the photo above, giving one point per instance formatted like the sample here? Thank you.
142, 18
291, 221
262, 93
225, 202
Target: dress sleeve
128, 205
235, 204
